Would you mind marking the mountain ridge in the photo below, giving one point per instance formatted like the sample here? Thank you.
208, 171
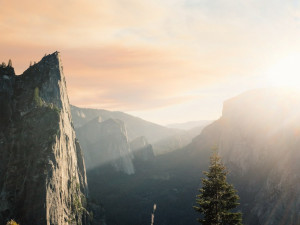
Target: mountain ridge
106, 142
258, 138
135, 126
42, 171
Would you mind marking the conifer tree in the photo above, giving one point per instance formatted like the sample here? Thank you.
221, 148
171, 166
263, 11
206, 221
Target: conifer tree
217, 197
9, 63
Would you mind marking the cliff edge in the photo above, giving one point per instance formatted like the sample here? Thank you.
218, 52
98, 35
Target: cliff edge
42, 171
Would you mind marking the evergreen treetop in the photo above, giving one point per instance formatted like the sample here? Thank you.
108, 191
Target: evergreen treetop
9, 63
217, 197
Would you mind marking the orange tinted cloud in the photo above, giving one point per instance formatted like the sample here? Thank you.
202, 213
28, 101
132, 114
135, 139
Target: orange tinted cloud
116, 77
130, 78
141, 55
71, 22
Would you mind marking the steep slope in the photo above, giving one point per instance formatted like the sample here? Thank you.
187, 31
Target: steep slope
141, 149
162, 139
258, 138
42, 172
106, 143
135, 126
177, 141
190, 124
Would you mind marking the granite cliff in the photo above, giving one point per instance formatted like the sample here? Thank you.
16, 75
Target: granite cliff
135, 126
141, 149
163, 139
42, 171
106, 142
258, 137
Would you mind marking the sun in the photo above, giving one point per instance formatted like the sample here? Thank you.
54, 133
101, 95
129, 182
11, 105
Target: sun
286, 72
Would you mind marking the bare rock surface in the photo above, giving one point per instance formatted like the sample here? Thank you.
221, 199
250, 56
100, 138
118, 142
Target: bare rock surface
42, 171
135, 126
141, 149
106, 142
259, 139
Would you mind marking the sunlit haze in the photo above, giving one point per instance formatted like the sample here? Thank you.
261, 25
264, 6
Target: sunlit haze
285, 72
166, 61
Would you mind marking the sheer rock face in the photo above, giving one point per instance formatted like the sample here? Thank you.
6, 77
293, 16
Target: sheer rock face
259, 139
42, 172
141, 149
135, 126
106, 142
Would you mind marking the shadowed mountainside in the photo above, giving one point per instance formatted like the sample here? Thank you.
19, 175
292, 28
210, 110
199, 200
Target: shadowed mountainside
135, 126
42, 171
258, 137
106, 143
162, 139
190, 124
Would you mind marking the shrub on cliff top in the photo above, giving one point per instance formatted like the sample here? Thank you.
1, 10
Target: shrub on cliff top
36, 97
12, 222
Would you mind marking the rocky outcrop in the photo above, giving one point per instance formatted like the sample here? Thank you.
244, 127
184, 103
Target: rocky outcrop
141, 149
175, 142
7, 70
135, 126
106, 142
42, 171
162, 139
258, 137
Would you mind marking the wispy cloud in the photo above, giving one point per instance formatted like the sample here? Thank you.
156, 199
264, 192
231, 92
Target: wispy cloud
142, 55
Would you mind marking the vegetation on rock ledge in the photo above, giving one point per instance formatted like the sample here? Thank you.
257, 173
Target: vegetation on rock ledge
12, 222
36, 97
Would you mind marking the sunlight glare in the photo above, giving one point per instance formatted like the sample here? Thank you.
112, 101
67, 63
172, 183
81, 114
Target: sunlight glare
286, 72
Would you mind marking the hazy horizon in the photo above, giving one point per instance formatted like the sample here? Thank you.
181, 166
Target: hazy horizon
166, 61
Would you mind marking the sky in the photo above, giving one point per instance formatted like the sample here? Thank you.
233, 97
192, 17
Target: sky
166, 61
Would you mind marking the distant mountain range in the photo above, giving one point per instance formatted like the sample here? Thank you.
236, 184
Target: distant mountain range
106, 142
163, 139
109, 137
258, 137
132, 163
190, 124
135, 126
